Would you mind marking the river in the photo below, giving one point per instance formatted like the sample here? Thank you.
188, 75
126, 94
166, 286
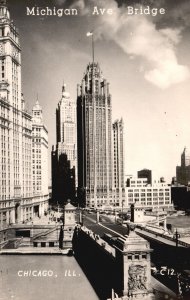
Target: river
56, 285
180, 222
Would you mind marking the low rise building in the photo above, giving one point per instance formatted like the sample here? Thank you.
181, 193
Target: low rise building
153, 196
136, 182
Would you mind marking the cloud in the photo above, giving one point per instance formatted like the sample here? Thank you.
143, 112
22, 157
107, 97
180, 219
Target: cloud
180, 13
138, 36
60, 2
166, 74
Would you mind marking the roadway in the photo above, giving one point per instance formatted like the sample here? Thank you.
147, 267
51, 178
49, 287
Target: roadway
90, 222
156, 237
109, 222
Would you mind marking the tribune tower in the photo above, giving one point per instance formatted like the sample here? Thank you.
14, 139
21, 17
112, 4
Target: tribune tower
94, 135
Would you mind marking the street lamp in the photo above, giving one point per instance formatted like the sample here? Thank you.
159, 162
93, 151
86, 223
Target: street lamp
57, 231
177, 238
115, 215
122, 211
82, 217
32, 230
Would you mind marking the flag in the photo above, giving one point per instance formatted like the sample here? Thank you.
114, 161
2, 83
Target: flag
89, 33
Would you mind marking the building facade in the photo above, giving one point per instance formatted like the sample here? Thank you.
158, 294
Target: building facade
16, 128
136, 182
66, 132
16, 193
39, 161
183, 171
64, 154
100, 169
94, 129
118, 154
148, 196
118, 195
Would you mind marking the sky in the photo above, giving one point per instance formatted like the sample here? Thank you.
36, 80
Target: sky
145, 58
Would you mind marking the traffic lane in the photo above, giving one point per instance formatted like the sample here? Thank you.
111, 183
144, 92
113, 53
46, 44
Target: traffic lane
90, 218
108, 227
118, 228
97, 229
102, 218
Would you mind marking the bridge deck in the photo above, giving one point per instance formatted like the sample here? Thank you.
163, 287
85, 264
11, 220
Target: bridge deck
158, 238
151, 233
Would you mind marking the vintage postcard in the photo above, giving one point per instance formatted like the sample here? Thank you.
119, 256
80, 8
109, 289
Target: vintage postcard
94, 149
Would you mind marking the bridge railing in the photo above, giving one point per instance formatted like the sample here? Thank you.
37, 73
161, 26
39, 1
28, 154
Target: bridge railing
164, 236
43, 234
102, 243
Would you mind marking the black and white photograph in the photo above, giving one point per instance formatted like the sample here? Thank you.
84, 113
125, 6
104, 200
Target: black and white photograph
94, 149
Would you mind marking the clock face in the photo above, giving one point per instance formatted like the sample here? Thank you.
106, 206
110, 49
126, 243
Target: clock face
15, 53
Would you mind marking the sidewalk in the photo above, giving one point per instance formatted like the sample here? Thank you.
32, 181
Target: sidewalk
46, 220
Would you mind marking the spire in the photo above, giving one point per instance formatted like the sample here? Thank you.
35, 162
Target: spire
64, 86
4, 11
3, 2
37, 101
37, 105
65, 94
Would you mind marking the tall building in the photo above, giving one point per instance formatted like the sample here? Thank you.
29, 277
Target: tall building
118, 154
118, 194
64, 154
15, 128
66, 127
39, 161
183, 171
16, 193
145, 173
94, 129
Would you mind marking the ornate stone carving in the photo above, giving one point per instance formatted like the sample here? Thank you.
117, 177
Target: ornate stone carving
137, 278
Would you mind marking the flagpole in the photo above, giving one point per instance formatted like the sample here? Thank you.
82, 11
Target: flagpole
93, 48
91, 33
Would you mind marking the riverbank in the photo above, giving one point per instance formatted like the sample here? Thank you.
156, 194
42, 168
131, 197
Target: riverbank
35, 251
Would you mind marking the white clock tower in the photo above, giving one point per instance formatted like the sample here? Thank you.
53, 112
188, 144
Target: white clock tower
10, 58
15, 129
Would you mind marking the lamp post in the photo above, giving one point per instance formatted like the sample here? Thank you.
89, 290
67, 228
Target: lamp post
114, 215
82, 217
180, 293
122, 211
177, 238
32, 230
57, 232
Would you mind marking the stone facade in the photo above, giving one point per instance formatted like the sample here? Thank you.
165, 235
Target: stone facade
69, 224
133, 254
